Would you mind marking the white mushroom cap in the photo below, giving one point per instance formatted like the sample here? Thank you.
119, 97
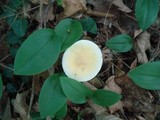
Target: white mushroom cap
82, 61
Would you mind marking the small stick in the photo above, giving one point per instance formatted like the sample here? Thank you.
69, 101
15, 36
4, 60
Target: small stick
31, 100
4, 58
6, 67
99, 14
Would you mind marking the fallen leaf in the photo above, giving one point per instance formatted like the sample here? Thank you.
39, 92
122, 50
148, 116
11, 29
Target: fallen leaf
38, 1
20, 105
137, 32
122, 6
136, 99
134, 64
142, 44
111, 85
72, 7
107, 117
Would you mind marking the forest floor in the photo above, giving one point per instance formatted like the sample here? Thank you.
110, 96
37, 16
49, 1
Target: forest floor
112, 18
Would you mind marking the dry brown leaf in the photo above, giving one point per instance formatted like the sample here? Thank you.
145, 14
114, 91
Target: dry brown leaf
97, 82
38, 1
142, 44
122, 6
20, 105
137, 32
108, 117
136, 99
72, 7
96, 108
111, 85
134, 64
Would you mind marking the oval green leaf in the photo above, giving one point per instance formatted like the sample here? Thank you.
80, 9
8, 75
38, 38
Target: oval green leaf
20, 27
38, 53
105, 97
1, 85
69, 31
120, 43
89, 25
147, 75
75, 91
51, 98
62, 112
146, 12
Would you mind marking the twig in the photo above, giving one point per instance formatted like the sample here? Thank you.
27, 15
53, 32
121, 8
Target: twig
107, 14
20, 12
6, 67
40, 13
4, 58
31, 100
99, 14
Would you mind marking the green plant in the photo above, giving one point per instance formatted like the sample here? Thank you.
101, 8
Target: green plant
42, 48
146, 12
46, 46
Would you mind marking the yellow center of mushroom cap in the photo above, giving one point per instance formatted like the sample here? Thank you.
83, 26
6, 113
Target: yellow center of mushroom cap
82, 61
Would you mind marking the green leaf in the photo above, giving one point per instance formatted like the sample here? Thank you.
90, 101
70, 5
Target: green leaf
38, 53
69, 31
59, 2
13, 51
51, 98
1, 85
146, 12
62, 112
12, 38
11, 87
105, 97
10, 16
20, 27
15, 4
89, 25
120, 43
36, 116
147, 75
74, 90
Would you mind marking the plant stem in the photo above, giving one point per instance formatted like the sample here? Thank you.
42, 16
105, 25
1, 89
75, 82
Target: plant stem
31, 100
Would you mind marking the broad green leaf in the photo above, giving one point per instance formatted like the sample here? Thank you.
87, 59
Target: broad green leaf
147, 75
36, 116
74, 90
12, 38
20, 27
105, 97
1, 85
89, 25
51, 98
62, 112
120, 43
38, 53
146, 12
69, 31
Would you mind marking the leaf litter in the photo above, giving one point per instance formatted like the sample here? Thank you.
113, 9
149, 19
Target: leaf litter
112, 17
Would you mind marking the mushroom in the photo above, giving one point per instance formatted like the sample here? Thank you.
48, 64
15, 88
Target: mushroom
82, 61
